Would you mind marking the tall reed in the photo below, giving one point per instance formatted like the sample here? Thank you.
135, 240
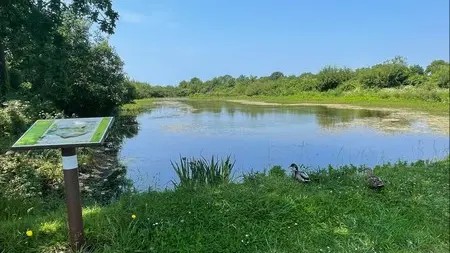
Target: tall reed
200, 172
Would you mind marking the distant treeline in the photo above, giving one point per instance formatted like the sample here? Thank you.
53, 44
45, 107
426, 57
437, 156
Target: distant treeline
144, 90
393, 73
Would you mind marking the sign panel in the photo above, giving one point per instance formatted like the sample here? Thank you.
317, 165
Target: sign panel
60, 133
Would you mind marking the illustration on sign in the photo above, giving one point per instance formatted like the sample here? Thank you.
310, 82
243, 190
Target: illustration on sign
59, 132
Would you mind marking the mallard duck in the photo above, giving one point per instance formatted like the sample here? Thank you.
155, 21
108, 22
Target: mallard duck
299, 175
373, 181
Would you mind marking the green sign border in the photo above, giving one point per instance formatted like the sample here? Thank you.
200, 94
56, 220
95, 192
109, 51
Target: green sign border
29, 139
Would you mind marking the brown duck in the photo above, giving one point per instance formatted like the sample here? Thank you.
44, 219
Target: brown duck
373, 181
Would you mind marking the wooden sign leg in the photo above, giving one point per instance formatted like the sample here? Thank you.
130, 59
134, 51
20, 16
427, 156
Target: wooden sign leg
73, 198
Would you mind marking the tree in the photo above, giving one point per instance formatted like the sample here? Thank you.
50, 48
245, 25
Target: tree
440, 76
242, 79
391, 73
306, 75
330, 77
32, 25
435, 65
88, 77
276, 75
416, 69
4, 82
195, 85
183, 84
399, 60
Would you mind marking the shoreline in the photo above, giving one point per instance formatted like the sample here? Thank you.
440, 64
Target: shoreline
436, 122
353, 101
329, 105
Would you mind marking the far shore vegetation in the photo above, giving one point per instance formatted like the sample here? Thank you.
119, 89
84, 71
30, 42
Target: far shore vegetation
391, 84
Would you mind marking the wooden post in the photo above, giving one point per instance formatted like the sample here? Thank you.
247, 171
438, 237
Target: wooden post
73, 199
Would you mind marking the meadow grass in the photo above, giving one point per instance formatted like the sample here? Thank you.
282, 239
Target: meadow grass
335, 212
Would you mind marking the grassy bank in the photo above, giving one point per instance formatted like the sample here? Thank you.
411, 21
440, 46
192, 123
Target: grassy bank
387, 99
336, 212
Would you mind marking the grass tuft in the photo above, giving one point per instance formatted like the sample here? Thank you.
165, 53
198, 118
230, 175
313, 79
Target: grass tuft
202, 172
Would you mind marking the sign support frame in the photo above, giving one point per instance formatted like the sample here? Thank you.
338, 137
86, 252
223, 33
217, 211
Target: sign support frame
68, 142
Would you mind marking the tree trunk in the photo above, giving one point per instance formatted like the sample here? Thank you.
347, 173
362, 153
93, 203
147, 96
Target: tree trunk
3, 71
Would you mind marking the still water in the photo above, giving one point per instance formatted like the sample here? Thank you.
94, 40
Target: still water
260, 136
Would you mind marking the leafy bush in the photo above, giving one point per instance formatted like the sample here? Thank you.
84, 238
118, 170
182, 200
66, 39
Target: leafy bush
435, 66
331, 77
99, 87
307, 83
416, 80
144, 90
13, 120
441, 76
276, 75
23, 176
416, 69
393, 73
349, 85
389, 74
252, 90
414, 93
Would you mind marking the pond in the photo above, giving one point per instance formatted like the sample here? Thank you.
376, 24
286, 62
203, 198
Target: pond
260, 136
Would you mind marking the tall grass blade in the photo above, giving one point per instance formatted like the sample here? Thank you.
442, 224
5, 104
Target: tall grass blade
194, 172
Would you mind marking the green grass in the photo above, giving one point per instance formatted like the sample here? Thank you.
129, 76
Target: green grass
336, 212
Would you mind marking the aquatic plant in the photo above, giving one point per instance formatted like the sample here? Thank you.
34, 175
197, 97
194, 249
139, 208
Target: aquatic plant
200, 172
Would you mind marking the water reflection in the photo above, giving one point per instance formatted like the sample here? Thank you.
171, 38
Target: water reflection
260, 136
104, 177
330, 119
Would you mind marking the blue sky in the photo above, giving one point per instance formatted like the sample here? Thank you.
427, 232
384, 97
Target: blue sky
166, 41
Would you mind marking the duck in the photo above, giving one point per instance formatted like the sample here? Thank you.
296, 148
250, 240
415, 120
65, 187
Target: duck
373, 181
299, 175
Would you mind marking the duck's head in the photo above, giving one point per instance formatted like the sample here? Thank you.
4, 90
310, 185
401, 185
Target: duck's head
294, 167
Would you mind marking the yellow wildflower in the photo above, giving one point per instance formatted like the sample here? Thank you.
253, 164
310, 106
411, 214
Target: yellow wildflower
29, 233
133, 216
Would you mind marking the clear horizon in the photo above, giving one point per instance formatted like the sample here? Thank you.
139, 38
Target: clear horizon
165, 42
